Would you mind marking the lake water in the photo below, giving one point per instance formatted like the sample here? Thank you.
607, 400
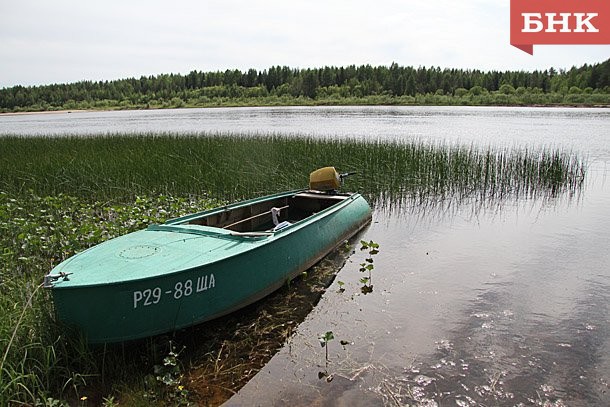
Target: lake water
506, 304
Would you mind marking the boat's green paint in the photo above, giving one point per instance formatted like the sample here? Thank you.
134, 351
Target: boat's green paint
174, 275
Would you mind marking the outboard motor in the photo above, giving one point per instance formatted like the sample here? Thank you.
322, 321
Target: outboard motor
327, 179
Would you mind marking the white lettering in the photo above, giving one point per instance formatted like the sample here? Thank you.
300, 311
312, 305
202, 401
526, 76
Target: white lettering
137, 297
580, 23
188, 287
530, 25
181, 289
146, 295
533, 23
178, 290
202, 283
564, 22
156, 293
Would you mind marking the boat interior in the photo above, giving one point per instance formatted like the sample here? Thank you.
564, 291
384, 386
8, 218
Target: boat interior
270, 215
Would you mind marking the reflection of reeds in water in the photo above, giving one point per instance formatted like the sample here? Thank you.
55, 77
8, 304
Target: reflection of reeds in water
233, 166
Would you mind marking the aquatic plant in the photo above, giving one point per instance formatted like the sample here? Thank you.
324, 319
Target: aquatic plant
229, 166
368, 265
324, 339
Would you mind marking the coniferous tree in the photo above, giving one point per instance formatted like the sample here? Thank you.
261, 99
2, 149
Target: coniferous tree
395, 81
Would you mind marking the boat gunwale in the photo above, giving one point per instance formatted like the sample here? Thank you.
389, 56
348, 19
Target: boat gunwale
178, 224
227, 207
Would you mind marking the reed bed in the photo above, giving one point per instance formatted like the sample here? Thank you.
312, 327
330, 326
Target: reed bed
120, 167
59, 195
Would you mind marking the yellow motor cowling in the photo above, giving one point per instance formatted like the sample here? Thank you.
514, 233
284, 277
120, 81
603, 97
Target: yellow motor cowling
325, 179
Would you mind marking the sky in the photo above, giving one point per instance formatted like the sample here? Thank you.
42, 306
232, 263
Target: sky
59, 41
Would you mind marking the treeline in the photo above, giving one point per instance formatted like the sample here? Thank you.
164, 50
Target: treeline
588, 84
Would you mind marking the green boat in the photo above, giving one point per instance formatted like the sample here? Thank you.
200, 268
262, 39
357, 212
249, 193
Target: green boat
198, 267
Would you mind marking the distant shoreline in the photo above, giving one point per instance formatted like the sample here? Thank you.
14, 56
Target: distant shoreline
47, 112
64, 111
352, 85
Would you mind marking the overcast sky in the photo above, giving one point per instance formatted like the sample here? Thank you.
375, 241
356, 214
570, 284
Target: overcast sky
43, 42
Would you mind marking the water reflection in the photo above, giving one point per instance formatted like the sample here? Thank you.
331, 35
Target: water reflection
436, 207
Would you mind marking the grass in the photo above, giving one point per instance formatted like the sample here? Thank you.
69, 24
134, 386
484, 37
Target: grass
59, 195
119, 167
39, 359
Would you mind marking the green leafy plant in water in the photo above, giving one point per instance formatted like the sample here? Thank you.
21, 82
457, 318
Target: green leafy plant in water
324, 339
368, 265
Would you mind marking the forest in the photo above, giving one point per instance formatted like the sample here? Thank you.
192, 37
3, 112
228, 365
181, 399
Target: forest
587, 85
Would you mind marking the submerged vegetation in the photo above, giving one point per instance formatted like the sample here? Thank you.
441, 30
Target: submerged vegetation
59, 195
351, 85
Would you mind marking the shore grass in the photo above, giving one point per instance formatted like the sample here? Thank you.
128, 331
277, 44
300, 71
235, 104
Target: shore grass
59, 195
38, 358
120, 167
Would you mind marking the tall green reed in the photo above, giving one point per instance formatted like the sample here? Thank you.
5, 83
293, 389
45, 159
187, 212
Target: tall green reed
118, 167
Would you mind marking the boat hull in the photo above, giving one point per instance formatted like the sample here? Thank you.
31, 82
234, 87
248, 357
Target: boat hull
142, 307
